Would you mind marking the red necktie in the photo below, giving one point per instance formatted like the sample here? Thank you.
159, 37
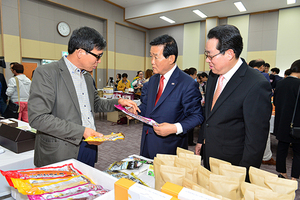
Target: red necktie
218, 91
160, 89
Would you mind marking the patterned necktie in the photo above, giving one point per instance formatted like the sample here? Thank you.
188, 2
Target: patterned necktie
218, 91
160, 89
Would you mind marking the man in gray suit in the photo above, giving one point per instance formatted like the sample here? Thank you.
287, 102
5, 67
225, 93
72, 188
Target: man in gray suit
63, 100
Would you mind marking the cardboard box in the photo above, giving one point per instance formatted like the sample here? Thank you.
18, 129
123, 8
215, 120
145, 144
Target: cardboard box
98, 177
115, 116
183, 193
15, 139
126, 189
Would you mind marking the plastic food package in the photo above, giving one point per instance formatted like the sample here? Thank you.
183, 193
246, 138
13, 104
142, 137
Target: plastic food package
67, 170
112, 137
83, 191
146, 120
119, 165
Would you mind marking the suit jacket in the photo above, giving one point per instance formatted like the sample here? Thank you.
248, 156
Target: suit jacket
179, 102
237, 128
284, 100
53, 110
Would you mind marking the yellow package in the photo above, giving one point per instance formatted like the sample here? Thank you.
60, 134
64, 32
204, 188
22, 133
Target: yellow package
41, 186
112, 137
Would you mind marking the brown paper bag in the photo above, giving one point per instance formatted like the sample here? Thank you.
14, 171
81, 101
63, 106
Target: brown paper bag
282, 186
248, 190
214, 164
234, 171
224, 186
167, 158
158, 180
203, 190
190, 156
263, 195
181, 150
188, 183
203, 177
172, 174
191, 170
257, 176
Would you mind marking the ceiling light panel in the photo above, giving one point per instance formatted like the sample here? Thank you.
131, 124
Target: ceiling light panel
291, 1
240, 6
167, 19
199, 13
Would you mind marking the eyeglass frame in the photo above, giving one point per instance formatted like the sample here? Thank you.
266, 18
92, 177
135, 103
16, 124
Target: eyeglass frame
211, 57
95, 55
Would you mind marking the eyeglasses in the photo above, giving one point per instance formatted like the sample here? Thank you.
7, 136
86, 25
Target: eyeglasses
211, 57
96, 56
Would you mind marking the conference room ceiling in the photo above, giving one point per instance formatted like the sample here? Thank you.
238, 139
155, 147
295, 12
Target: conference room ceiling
147, 13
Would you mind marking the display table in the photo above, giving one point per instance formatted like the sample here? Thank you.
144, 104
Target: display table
12, 161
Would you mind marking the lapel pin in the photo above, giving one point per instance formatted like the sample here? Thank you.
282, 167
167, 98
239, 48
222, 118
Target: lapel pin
173, 83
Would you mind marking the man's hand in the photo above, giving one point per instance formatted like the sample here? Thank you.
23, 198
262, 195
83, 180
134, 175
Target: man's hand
198, 148
165, 129
129, 103
90, 132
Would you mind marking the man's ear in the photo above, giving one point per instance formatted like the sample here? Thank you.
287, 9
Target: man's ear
230, 54
171, 59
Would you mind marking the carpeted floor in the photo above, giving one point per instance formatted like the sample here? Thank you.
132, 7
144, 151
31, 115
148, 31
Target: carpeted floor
110, 152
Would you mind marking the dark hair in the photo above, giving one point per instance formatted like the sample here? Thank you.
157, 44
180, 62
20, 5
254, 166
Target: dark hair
19, 68
267, 65
148, 73
276, 70
229, 38
138, 72
251, 63
124, 75
259, 63
203, 74
119, 76
170, 45
287, 72
186, 71
295, 67
86, 38
192, 71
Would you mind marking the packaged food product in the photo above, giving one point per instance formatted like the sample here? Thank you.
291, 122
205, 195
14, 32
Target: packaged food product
112, 137
119, 165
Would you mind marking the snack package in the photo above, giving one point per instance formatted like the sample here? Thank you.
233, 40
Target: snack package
64, 171
141, 160
119, 165
81, 191
118, 174
112, 137
146, 120
41, 186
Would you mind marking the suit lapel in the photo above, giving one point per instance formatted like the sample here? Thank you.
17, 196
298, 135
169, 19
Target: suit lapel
233, 83
168, 89
66, 76
152, 90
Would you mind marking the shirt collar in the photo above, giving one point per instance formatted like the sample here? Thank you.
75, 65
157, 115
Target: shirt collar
72, 67
169, 73
231, 72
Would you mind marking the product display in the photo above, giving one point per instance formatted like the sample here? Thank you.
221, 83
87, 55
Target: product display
111, 137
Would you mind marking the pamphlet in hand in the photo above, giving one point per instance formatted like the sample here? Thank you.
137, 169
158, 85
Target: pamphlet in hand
138, 117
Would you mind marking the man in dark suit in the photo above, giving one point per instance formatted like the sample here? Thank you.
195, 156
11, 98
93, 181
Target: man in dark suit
172, 99
238, 103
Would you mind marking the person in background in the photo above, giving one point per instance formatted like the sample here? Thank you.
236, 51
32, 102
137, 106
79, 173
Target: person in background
238, 103
124, 83
285, 96
63, 101
259, 65
24, 87
3, 97
118, 78
172, 99
274, 77
267, 68
148, 74
138, 83
287, 73
204, 78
